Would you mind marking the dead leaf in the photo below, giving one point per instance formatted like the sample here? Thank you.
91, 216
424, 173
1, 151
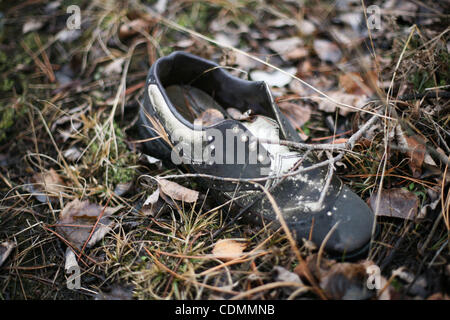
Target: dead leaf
177, 192
5, 250
285, 47
353, 83
31, 25
273, 79
297, 53
185, 43
46, 186
282, 274
228, 249
133, 27
414, 148
67, 35
122, 188
305, 69
306, 27
237, 115
228, 39
416, 153
160, 6
357, 101
149, 203
297, 114
346, 281
72, 154
114, 67
396, 202
77, 219
439, 296
209, 117
327, 50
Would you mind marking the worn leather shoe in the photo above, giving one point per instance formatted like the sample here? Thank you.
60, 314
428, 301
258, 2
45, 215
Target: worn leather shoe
189, 110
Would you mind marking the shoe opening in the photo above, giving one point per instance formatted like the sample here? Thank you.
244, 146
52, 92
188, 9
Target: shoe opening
194, 84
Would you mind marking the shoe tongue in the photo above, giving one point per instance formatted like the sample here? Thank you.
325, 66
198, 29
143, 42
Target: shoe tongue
282, 159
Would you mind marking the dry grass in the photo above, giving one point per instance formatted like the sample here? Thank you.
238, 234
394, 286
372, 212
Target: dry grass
167, 256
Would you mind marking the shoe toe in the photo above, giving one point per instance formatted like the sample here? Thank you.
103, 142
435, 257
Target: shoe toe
354, 223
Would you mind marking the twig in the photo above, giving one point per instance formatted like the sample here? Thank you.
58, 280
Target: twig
324, 191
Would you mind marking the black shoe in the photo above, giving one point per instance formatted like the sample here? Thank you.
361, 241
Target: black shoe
181, 87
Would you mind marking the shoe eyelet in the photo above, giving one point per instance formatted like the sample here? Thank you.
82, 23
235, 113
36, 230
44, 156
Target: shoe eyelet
260, 158
244, 138
210, 138
235, 129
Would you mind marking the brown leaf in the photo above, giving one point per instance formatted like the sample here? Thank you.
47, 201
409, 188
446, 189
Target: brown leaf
305, 69
177, 192
439, 296
77, 219
228, 249
357, 101
396, 202
297, 53
338, 280
133, 27
347, 281
209, 117
416, 153
353, 83
297, 114
286, 47
237, 115
46, 185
